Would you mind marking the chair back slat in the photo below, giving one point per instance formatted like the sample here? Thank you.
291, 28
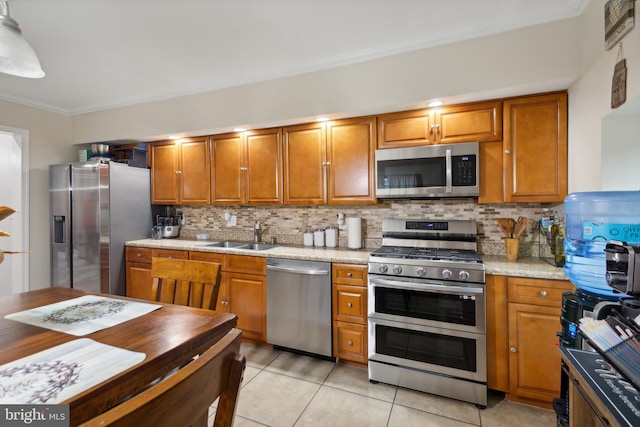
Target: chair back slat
184, 398
185, 282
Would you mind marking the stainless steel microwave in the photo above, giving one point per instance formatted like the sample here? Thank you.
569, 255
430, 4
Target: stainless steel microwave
430, 171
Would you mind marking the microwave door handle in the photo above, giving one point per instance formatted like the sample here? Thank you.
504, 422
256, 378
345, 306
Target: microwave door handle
448, 171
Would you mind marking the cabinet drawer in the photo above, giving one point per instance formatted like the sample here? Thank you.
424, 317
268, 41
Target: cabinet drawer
537, 291
245, 264
350, 342
135, 254
350, 304
349, 274
207, 257
169, 253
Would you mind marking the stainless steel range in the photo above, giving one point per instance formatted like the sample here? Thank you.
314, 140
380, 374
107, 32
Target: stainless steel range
426, 305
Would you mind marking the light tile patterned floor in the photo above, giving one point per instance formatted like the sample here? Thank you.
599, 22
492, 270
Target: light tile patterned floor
285, 389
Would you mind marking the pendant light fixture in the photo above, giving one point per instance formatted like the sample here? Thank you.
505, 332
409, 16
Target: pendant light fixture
16, 55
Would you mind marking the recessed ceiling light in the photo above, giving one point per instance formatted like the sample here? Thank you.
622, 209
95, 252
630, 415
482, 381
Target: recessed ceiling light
435, 103
239, 129
322, 119
174, 137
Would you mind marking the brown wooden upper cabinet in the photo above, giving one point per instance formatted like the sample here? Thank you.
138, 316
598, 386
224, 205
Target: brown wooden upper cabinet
479, 121
535, 148
330, 162
180, 172
247, 167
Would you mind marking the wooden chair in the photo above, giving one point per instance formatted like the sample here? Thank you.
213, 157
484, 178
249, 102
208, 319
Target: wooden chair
184, 282
184, 398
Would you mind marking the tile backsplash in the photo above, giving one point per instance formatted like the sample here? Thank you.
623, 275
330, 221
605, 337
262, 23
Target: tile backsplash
287, 223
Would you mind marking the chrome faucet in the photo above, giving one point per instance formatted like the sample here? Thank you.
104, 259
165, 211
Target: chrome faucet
256, 232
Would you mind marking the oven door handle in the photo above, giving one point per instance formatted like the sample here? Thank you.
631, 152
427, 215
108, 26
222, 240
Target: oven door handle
426, 286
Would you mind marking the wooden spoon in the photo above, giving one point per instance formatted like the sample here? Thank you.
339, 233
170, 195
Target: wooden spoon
511, 224
503, 223
521, 225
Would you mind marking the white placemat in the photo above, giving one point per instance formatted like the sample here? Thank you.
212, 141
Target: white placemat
83, 315
54, 375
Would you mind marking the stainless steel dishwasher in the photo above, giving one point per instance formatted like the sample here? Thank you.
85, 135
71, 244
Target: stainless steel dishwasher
299, 305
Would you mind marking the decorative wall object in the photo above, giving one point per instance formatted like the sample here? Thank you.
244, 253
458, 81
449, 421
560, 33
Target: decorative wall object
619, 19
619, 83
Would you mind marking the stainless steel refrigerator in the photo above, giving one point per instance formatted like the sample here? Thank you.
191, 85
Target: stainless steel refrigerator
95, 207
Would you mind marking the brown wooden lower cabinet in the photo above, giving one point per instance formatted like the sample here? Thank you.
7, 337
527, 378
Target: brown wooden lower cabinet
349, 303
523, 358
243, 291
497, 333
243, 288
138, 269
248, 300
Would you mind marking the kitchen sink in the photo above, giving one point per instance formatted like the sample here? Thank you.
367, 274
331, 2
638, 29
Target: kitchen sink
238, 245
242, 245
260, 246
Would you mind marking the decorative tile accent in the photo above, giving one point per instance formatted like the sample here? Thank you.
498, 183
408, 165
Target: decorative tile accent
287, 223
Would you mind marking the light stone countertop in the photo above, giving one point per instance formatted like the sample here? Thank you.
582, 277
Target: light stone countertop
340, 254
525, 267
498, 265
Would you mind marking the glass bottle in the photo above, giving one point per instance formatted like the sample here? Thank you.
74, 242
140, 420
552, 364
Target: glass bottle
558, 253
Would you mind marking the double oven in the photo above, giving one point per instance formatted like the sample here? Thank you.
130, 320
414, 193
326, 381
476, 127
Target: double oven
426, 309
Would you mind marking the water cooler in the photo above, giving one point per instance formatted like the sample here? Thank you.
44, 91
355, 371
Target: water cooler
593, 220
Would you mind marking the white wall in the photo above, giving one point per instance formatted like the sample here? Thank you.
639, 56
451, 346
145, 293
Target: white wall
590, 99
621, 151
530, 60
49, 143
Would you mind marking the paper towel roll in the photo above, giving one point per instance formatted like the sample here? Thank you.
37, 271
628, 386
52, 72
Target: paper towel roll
354, 233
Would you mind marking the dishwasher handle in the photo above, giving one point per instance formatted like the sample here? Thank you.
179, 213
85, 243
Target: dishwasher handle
297, 270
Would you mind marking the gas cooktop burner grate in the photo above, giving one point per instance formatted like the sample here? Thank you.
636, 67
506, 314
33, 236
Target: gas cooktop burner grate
434, 254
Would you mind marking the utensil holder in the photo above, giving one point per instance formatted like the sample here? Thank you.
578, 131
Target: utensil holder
513, 248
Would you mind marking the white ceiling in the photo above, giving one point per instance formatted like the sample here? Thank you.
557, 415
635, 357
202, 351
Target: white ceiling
99, 54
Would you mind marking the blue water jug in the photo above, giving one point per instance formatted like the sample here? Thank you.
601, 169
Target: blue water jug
593, 219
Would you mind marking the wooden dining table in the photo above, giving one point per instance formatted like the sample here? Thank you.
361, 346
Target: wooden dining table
169, 337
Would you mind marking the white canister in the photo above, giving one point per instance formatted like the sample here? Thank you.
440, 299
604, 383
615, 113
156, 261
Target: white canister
307, 237
318, 237
331, 237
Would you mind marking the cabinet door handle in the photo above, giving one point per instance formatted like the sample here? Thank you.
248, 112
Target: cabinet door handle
349, 305
138, 254
543, 293
350, 342
349, 274
513, 350
178, 172
507, 151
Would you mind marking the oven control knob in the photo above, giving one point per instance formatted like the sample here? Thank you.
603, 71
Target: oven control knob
421, 271
463, 275
382, 269
446, 274
397, 269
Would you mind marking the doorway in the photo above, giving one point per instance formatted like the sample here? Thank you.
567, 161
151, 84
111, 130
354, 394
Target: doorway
14, 193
